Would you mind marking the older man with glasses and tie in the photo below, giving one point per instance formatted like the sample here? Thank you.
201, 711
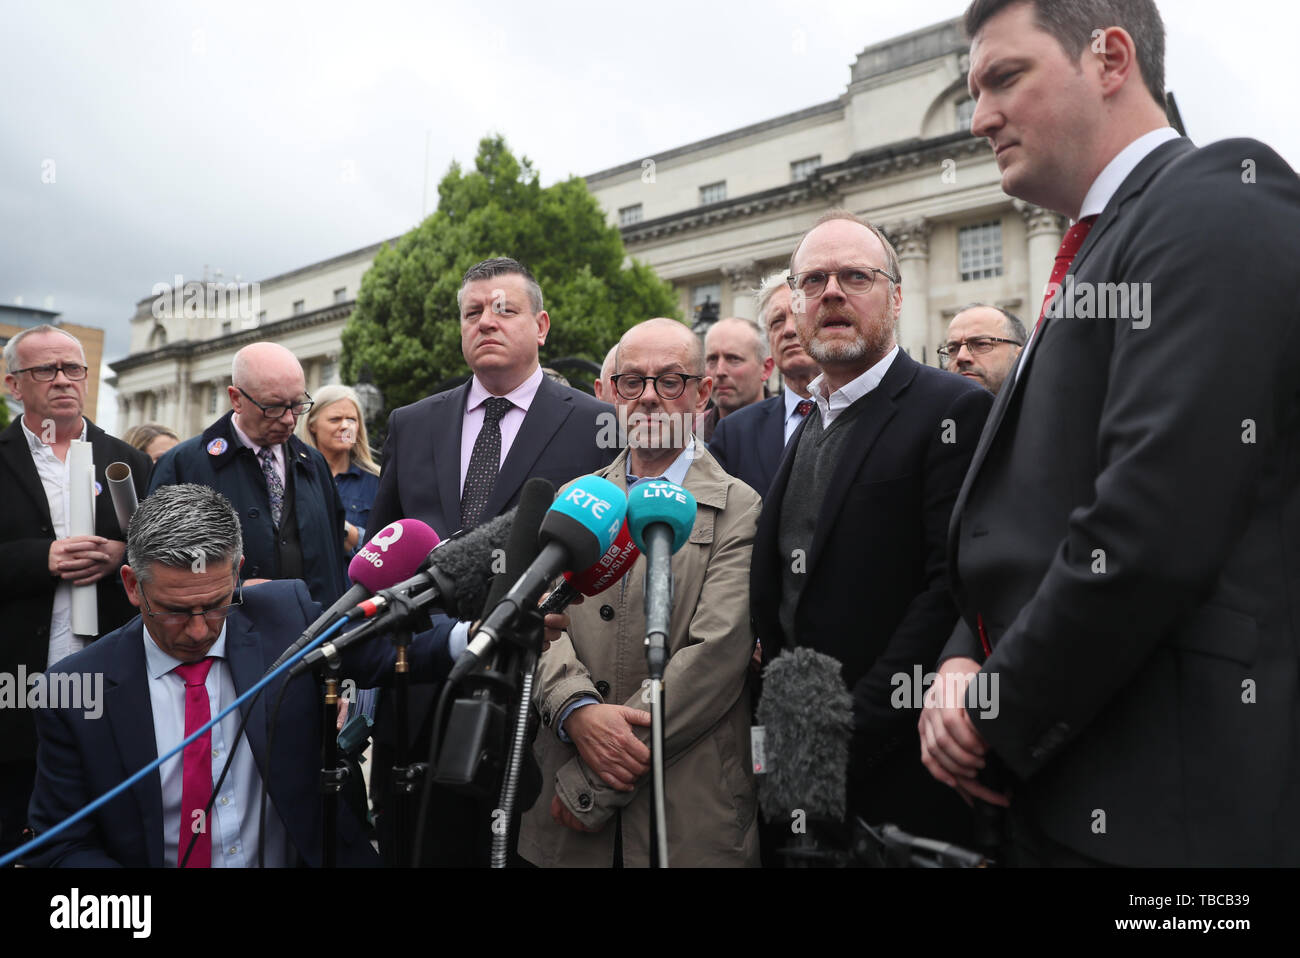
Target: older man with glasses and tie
281, 488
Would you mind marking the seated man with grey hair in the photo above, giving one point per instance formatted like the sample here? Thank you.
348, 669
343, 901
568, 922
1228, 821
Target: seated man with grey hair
201, 640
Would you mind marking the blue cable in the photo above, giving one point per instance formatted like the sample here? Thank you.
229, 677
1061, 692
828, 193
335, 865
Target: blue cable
23, 850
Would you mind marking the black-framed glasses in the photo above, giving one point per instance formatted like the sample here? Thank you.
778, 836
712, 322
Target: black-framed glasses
276, 412
45, 374
978, 345
213, 616
852, 279
669, 386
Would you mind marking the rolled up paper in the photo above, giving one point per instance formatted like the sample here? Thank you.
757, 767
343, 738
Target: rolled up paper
122, 489
81, 522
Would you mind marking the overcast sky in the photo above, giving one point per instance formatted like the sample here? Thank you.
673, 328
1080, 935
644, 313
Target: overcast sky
259, 137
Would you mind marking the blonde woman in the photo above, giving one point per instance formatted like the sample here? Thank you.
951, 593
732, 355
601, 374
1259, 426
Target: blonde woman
336, 427
151, 438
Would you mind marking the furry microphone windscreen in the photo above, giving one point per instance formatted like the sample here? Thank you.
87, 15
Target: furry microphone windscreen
808, 714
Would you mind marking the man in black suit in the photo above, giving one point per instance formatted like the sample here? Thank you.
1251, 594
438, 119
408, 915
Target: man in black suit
201, 640
39, 562
749, 442
460, 458
1123, 546
850, 554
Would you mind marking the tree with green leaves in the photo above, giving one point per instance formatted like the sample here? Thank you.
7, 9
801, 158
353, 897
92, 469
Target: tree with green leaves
405, 329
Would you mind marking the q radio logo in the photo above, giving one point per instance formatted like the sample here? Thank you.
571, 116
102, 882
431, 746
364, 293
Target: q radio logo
386, 537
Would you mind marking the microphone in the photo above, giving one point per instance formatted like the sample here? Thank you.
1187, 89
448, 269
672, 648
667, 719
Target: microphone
596, 578
455, 575
807, 714
660, 516
577, 529
391, 555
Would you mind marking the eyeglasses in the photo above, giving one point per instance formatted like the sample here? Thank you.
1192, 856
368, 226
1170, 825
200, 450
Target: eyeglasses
213, 616
852, 279
978, 346
45, 374
669, 386
276, 412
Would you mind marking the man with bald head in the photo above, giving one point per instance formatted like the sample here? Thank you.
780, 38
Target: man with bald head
594, 809
281, 488
602, 388
983, 344
849, 558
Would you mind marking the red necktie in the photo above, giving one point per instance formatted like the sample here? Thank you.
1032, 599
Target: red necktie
804, 407
1070, 244
196, 766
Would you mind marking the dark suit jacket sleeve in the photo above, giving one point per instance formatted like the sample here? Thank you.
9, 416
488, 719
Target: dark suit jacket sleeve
387, 506
963, 643
719, 445
916, 640
25, 567
59, 791
370, 663
164, 471
1178, 475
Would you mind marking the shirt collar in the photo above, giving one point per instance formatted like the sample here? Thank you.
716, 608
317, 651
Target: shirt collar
850, 392
521, 396
159, 663
34, 441
243, 437
1114, 174
675, 473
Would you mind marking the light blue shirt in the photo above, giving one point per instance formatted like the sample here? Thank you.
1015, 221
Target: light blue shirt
792, 401
675, 473
233, 824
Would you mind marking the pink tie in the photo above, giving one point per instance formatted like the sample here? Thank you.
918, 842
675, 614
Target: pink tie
196, 766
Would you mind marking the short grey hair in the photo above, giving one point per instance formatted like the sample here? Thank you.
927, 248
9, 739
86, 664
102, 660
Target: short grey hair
181, 526
761, 348
11, 347
1014, 328
766, 290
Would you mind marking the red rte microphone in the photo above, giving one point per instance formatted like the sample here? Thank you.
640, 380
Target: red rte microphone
599, 576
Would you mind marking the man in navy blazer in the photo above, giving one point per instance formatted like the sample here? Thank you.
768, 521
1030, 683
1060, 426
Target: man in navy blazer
1123, 547
849, 558
749, 442
447, 463
184, 551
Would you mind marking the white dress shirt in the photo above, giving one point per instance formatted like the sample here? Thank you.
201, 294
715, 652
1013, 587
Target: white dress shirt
234, 822
832, 404
55, 479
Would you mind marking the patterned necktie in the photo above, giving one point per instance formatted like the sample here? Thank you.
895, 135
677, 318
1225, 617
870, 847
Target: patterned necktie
196, 766
1070, 244
274, 484
804, 408
484, 463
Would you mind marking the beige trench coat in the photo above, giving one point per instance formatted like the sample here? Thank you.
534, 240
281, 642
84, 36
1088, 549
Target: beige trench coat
709, 782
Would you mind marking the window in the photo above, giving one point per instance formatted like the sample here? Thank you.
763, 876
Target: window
713, 193
329, 372
979, 251
158, 338
225, 327
628, 215
213, 392
705, 304
802, 169
341, 294
261, 317
965, 110
298, 306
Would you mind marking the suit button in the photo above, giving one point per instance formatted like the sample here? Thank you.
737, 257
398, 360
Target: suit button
607, 612
602, 687
284, 542
252, 513
584, 800
45, 528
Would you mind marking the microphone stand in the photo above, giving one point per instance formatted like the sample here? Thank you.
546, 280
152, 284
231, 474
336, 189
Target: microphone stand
405, 775
659, 603
332, 775
524, 662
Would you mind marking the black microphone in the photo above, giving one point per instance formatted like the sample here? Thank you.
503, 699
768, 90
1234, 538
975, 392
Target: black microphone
393, 553
576, 530
455, 576
807, 713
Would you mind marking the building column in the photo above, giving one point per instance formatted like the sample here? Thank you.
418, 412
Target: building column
1043, 232
744, 280
911, 241
183, 404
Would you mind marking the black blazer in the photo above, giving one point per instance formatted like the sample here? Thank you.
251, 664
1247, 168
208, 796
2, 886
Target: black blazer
749, 442
26, 586
1128, 530
81, 757
877, 592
